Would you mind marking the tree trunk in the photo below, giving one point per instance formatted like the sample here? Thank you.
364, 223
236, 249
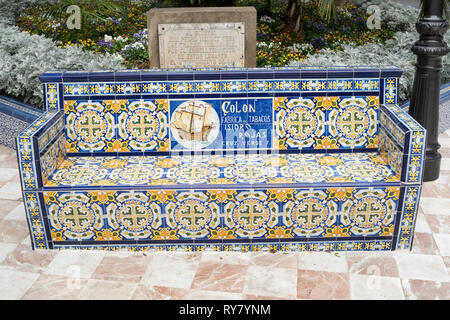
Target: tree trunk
294, 15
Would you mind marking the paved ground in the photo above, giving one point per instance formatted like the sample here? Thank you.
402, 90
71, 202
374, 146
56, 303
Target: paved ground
444, 116
420, 274
10, 128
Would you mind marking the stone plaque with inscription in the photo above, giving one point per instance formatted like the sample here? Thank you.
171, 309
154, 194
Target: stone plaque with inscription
202, 37
201, 45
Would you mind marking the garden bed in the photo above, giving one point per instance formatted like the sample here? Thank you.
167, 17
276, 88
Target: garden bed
33, 41
278, 43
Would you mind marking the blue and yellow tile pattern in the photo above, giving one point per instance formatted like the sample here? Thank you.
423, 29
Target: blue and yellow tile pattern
329, 162
237, 170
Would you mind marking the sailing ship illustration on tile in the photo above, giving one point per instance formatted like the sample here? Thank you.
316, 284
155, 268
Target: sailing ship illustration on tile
195, 124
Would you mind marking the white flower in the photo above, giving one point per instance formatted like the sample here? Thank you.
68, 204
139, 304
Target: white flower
108, 38
267, 19
138, 45
120, 39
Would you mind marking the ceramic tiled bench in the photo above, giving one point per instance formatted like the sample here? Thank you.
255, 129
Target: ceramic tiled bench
232, 159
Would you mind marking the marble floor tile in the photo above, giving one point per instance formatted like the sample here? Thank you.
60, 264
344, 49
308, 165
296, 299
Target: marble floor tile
428, 191
27, 241
144, 292
426, 290
5, 249
242, 258
23, 258
422, 223
107, 290
122, 267
421, 266
435, 206
423, 243
378, 264
435, 190
212, 295
214, 276
7, 174
277, 260
18, 213
443, 243
11, 191
445, 163
51, 287
9, 161
272, 282
370, 287
13, 231
7, 206
172, 269
256, 297
322, 285
447, 263
75, 264
322, 261
14, 284
438, 223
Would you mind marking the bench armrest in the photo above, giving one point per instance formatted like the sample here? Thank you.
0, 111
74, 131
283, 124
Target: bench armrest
39, 148
402, 142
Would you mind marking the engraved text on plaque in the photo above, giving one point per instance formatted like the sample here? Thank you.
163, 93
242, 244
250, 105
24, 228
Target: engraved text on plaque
201, 45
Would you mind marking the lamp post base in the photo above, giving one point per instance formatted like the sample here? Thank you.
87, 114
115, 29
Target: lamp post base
432, 166
424, 106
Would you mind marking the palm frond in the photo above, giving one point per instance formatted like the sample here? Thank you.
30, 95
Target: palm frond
327, 9
91, 10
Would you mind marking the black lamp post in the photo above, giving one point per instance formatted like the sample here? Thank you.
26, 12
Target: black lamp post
424, 106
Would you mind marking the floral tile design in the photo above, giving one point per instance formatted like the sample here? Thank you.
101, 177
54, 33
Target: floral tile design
222, 169
224, 214
82, 89
326, 122
116, 125
105, 167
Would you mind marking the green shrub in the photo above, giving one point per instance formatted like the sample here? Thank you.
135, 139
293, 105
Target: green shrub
396, 51
24, 57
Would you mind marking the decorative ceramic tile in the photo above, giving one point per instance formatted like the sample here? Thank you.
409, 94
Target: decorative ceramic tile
326, 122
221, 214
398, 125
220, 86
27, 162
236, 170
28, 151
53, 156
408, 217
392, 129
416, 157
79, 89
391, 151
221, 124
300, 246
50, 135
350, 199
298, 123
390, 91
116, 125
52, 96
355, 122
36, 221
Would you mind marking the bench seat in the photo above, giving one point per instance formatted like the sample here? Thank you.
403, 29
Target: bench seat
291, 159
235, 171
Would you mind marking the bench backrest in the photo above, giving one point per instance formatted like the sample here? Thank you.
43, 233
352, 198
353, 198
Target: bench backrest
163, 111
